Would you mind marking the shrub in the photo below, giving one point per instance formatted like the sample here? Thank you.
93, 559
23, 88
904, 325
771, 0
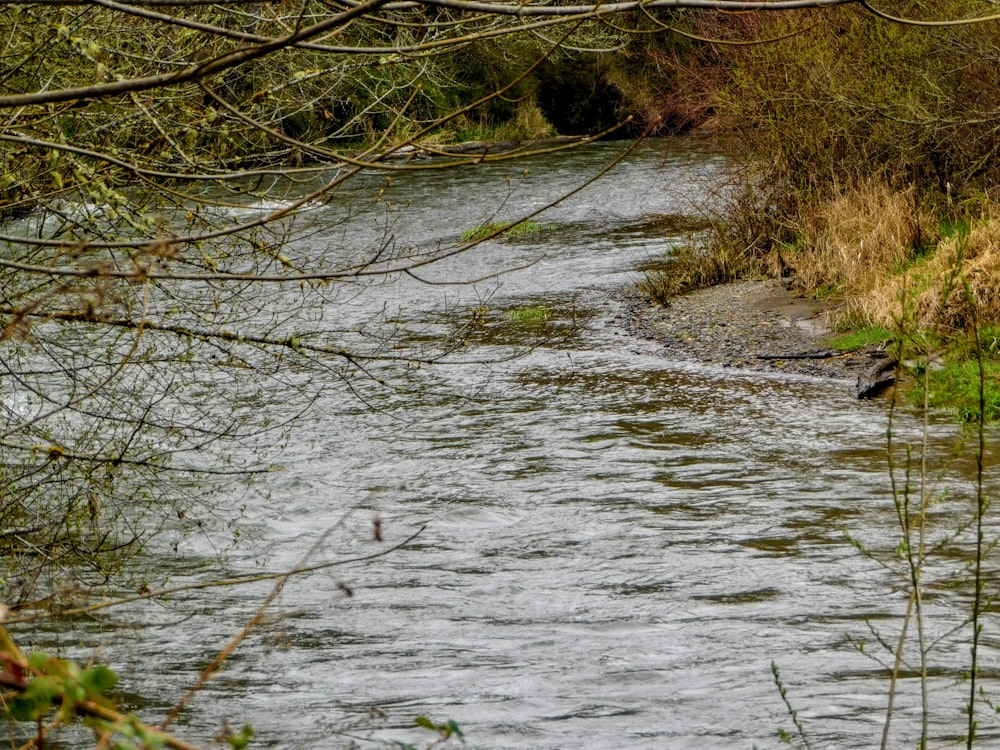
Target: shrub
848, 96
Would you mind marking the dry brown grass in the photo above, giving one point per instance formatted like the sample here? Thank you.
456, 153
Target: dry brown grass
850, 243
843, 246
875, 249
941, 291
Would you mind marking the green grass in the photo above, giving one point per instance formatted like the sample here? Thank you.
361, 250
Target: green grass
521, 229
950, 226
534, 314
855, 340
956, 387
827, 291
989, 341
482, 231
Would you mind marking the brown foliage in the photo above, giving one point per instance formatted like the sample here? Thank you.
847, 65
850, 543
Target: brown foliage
944, 291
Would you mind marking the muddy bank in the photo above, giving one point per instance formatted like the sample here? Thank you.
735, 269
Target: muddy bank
757, 325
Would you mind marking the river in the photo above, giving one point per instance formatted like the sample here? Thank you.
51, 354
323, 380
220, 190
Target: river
615, 547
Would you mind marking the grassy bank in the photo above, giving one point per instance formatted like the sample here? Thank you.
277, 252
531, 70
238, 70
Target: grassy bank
865, 167
921, 280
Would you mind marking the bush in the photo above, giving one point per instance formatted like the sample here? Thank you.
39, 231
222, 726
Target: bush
849, 96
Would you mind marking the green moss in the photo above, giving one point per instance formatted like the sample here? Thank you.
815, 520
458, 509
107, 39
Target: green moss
521, 229
533, 314
855, 340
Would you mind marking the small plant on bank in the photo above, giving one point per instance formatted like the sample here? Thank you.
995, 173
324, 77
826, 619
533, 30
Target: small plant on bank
827, 292
691, 267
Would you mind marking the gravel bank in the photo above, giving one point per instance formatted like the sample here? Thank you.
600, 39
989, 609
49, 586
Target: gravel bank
755, 325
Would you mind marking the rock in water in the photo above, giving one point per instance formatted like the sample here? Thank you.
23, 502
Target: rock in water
877, 378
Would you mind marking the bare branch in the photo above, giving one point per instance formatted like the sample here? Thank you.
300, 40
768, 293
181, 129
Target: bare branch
193, 72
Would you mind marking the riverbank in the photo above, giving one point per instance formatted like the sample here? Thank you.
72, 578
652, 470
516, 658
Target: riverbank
756, 325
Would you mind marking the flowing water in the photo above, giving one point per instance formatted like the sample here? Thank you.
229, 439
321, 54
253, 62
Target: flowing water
614, 548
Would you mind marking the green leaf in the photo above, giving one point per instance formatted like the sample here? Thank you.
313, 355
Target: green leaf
99, 680
40, 661
35, 701
453, 729
149, 737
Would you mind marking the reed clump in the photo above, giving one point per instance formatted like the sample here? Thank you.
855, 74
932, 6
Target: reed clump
943, 291
696, 265
854, 239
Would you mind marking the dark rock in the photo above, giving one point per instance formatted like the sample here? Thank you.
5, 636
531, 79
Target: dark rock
876, 379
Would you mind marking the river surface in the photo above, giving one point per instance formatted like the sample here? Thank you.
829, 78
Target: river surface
615, 547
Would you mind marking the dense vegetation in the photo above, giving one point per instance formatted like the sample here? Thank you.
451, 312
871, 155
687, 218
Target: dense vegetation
866, 152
